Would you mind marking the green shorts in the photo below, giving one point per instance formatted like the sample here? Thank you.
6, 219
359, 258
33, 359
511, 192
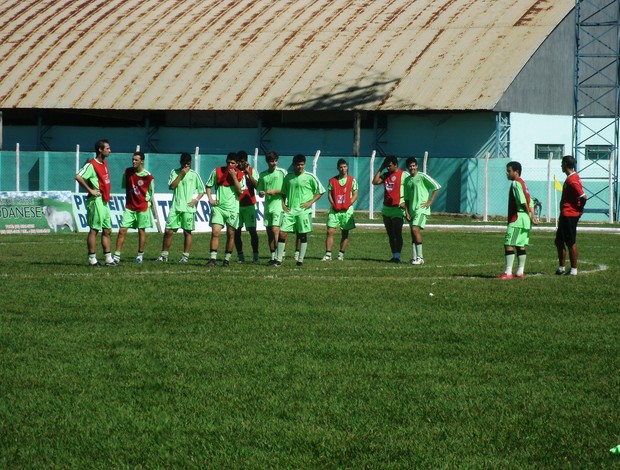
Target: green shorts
297, 221
516, 236
184, 220
418, 219
224, 217
343, 219
133, 219
247, 216
273, 218
98, 214
393, 211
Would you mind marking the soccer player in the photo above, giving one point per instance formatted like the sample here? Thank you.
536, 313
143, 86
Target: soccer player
188, 189
139, 188
299, 191
393, 211
270, 186
247, 207
226, 181
342, 193
420, 191
94, 177
572, 204
520, 219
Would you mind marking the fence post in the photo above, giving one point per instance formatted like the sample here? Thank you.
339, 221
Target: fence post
425, 161
371, 190
256, 158
196, 158
486, 187
612, 157
17, 167
549, 187
315, 164
77, 166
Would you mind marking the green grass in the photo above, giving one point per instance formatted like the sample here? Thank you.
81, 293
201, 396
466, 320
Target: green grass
352, 364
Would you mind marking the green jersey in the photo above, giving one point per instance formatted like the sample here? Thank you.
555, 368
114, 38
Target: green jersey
418, 188
188, 188
272, 180
298, 189
226, 196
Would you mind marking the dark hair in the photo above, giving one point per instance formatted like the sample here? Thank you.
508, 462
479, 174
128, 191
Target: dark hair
139, 154
242, 156
569, 161
185, 158
516, 166
271, 155
390, 159
341, 161
411, 160
231, 156
100, 144
299, 158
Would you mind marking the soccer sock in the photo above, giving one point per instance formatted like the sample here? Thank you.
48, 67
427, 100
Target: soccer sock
117, 256
280, 251
108, 257
414, 252
273, 255
227, 255
186, 255
396, 255
213, 255
140, 254
164, 254
255, 256
328, 254
510, 257
520, 262
92, 258
296, 256
341, 255
573, 271
418, 247
302, 251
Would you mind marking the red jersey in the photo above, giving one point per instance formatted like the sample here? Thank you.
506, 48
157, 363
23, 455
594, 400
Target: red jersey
515, 199
223, 176
137, 189
248, 196
391, 188
341, 195
103, 175
572, 203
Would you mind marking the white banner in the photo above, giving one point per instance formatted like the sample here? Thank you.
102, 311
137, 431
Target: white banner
162, 203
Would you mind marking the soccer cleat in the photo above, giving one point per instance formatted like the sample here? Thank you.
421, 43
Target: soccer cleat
299, 264
395, 260
417, 261
327, 258
212, 263
162, 259
570, 273
271, 262
226, 264
519, 276
276, 264
116, 259
138, 260
184, 259
560, 271
94, 265
296, 256
340, 257
505, 276
241, 259
110, 264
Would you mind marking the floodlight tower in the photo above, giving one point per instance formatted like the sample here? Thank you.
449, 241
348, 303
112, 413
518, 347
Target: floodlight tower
597, 101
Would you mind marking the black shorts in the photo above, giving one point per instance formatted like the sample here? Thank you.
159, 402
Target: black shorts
567, 229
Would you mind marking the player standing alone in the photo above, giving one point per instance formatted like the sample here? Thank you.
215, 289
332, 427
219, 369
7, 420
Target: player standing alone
520, 219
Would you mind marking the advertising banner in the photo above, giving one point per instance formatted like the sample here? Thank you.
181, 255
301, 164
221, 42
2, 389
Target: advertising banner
31, 212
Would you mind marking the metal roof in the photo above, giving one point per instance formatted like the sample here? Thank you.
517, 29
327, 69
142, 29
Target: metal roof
266, 54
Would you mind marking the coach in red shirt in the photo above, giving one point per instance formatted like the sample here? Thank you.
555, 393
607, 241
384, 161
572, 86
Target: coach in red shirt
571, 207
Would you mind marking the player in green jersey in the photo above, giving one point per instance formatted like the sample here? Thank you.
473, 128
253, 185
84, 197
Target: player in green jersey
223, 189
520, 220
420, 191
188, 189
270, 186
299, 191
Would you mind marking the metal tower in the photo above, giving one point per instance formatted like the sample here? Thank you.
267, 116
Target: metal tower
597, 105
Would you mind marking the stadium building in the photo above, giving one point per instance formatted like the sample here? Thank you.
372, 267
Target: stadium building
458, 79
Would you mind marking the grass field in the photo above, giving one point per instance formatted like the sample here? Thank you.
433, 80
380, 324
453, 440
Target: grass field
355, 364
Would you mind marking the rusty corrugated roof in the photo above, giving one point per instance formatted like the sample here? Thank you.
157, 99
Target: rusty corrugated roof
267, 55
